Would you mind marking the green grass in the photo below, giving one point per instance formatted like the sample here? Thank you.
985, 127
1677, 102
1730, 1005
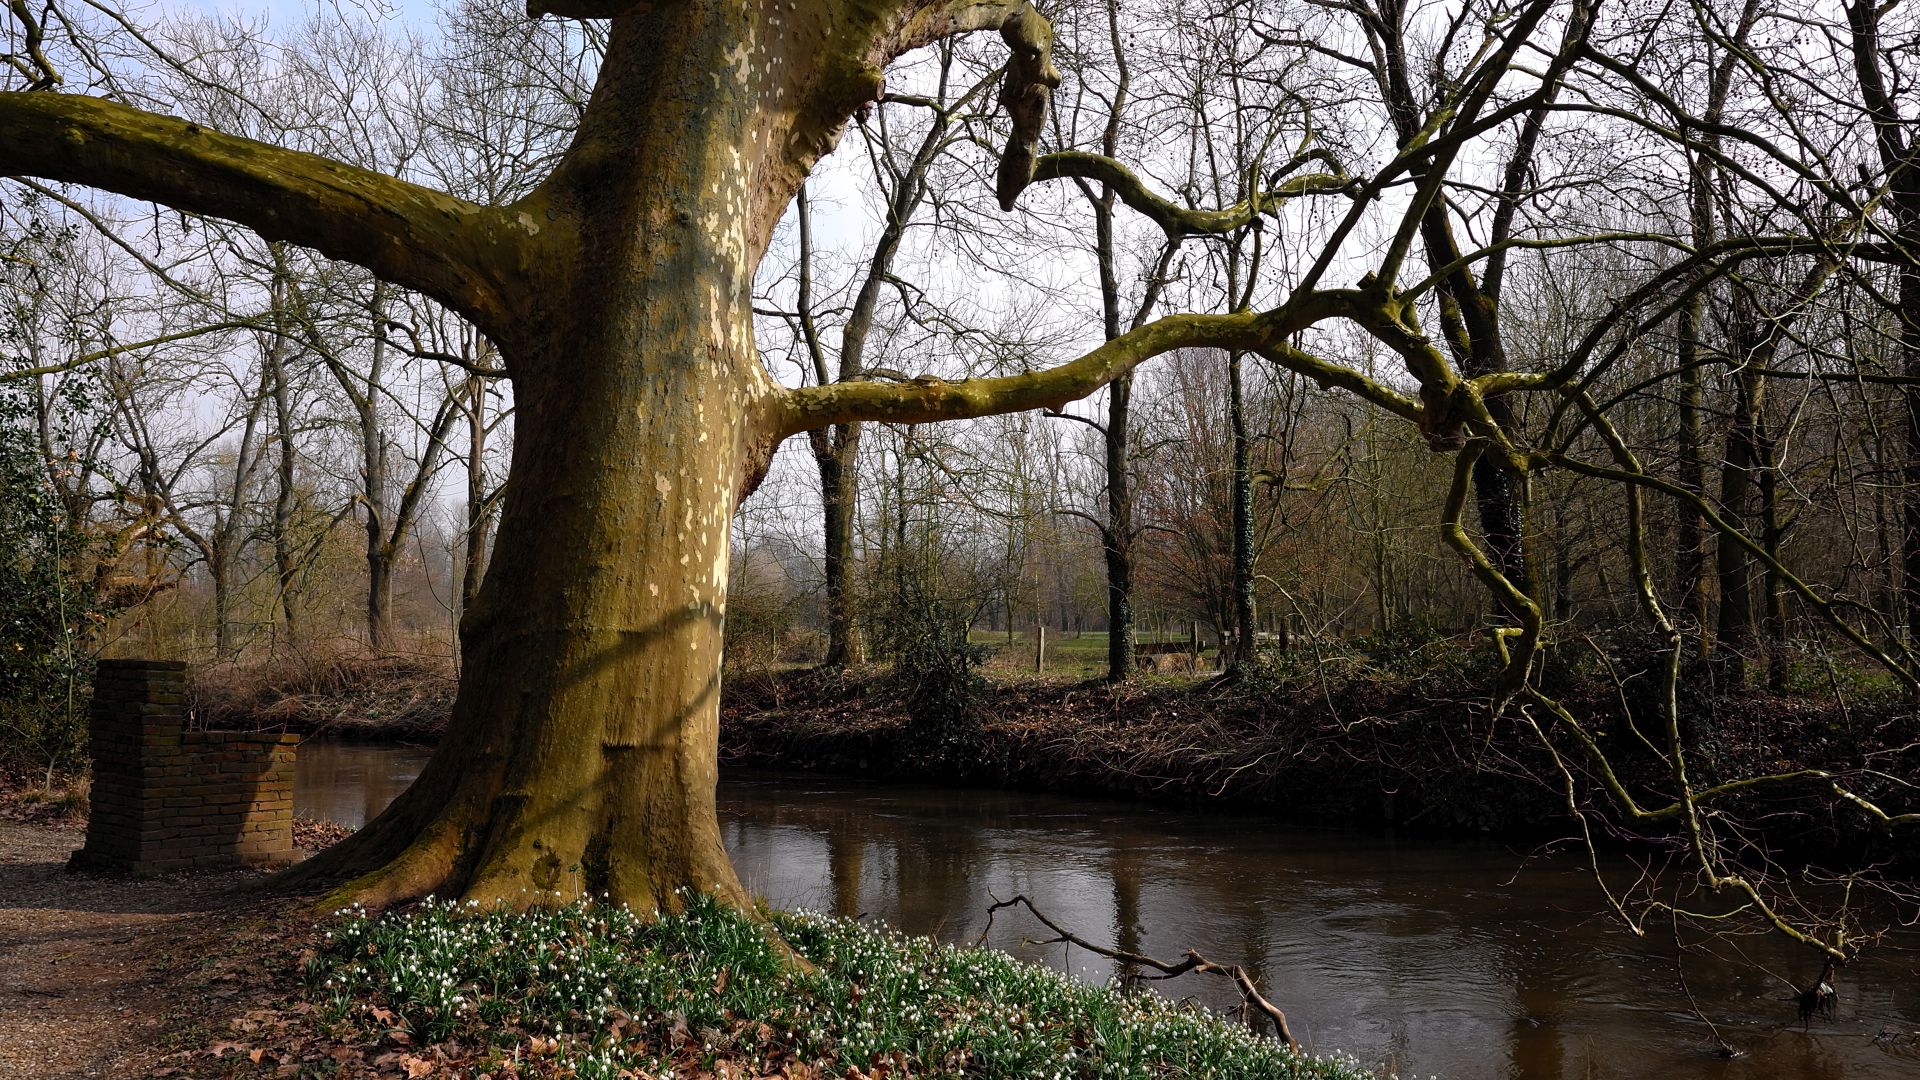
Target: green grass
1082, 657
1090, 645
593, 990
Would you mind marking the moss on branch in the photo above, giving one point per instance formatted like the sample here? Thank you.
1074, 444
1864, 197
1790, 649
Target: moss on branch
1444, 401
447, 247
1176, 220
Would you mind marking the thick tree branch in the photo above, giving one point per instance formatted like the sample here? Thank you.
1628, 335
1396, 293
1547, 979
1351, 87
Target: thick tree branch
1442, 406
1176, 220
928, 399
445, 247
1031, 78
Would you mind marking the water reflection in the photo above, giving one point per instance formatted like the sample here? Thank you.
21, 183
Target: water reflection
351, 782
1418, 957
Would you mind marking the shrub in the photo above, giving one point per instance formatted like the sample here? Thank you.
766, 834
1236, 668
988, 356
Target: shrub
50, 608
936, 666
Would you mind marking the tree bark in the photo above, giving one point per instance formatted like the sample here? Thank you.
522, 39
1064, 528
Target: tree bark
1243, 633
1909, 301
373, 483
1737, 630
479, 499
839, 468
1117, 537
286, 498
581, 755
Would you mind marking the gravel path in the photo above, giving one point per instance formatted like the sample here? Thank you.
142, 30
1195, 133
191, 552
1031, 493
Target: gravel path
90, 964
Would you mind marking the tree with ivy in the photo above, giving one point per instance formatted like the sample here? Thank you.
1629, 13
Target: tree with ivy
51, 608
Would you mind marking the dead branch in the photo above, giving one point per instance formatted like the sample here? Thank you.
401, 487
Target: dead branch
1193, 961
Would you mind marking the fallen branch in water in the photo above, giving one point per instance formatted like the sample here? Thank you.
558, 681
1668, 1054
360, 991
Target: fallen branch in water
1250, 994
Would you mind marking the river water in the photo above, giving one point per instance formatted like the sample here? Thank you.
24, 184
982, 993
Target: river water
1422, 958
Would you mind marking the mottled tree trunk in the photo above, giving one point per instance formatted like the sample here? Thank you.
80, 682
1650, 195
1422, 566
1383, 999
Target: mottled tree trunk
581, 753
583, 737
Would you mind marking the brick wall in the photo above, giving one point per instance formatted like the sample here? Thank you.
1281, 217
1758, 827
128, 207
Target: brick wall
165, 798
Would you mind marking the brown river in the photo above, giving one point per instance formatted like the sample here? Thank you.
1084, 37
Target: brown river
1420, 958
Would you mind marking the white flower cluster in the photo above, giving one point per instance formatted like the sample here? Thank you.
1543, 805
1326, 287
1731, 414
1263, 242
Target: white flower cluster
605, 991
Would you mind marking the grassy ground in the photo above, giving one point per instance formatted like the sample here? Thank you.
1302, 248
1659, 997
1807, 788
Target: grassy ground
1069, 655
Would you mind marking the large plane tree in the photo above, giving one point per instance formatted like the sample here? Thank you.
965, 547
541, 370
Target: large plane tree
581, 752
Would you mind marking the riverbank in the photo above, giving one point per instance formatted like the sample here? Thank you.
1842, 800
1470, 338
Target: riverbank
1410, 747
1415, 752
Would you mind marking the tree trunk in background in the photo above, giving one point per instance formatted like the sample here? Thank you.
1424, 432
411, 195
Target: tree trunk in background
1117, 537
1243, 632
839, 485
1773, 533
219, 569
380, 635
232, 532
1690, 532
479, 499
1910, 397
286, 561
1733, 565
373, 483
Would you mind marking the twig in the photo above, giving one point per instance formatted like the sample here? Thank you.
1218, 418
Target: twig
1727, 1049
1193, 961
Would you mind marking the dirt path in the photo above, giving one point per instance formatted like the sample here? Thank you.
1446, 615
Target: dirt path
92, 966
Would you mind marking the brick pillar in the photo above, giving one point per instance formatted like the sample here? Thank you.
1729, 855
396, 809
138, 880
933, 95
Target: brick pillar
138, 709
165, 799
